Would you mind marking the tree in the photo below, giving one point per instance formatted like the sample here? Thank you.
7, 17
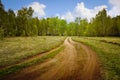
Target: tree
23, 17
71, 29
99, 23
62, 27
1, 5
118, 24
23, 24
3, 20
11, 27
83, 26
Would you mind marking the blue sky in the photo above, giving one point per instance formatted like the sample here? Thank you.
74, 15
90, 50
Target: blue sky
66, 9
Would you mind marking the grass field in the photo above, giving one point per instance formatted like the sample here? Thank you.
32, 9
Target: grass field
109, 55
18, 67
18, 49
13, 50
115, 40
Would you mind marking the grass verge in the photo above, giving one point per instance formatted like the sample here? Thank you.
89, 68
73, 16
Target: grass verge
111, 40
19, 67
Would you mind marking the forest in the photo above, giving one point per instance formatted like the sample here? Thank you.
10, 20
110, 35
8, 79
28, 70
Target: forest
23, 23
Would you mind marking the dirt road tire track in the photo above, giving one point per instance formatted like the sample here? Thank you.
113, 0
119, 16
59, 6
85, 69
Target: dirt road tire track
76, 62
91, 70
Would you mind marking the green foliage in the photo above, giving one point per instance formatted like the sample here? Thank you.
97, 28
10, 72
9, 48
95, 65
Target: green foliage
101, 25
3, 20
23, 17
23, 24
1, 33
11, 30
35, 30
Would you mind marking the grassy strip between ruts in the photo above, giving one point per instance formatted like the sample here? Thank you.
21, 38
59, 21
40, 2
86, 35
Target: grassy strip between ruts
19, 67
109, 56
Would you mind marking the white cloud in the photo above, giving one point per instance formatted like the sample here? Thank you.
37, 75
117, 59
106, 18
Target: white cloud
38, 9
115, 2
16, 11
81, 11
68, 16
115, 10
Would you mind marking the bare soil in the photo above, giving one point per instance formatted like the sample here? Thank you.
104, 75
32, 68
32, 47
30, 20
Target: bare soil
76, 62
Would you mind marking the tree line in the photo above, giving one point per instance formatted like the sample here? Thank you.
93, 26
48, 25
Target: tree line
24, 24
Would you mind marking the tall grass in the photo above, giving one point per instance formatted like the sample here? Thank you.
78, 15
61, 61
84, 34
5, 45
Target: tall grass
109, 55
13, 50
107, 39
21, 66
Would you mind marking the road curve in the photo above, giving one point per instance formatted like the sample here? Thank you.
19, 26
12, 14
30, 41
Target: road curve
76, 62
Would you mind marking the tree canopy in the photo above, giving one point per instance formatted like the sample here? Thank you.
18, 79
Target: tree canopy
24, 24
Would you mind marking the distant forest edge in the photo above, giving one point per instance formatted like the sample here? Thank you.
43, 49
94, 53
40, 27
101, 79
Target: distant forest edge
24, 24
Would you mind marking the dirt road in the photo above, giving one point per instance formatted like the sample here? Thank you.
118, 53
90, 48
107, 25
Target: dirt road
76, 62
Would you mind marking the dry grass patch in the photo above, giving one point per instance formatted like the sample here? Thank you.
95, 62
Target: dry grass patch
13, 50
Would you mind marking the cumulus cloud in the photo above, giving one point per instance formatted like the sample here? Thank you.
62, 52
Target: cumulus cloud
115, 2
68, 16
115, 10
39, 9
81, 11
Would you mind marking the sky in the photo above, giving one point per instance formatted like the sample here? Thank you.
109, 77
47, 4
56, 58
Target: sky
65, 9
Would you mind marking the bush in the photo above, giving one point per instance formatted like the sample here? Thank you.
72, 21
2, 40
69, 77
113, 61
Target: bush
1, 34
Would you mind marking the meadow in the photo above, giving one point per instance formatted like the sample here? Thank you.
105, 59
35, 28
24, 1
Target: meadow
17, 49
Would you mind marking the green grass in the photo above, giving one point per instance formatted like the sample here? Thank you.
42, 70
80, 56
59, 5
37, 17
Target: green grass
107, 39
19, 67
14, 50
109, 55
